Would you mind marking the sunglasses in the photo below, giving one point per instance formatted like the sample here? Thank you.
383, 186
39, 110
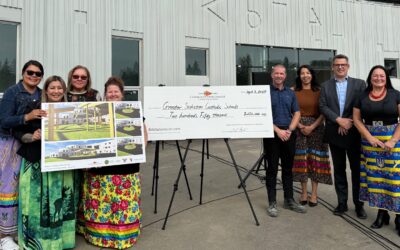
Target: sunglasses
76, 77
36, 73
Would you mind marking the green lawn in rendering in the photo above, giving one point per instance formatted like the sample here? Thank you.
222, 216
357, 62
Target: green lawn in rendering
127, 113
54, 159
79, 132
128, 147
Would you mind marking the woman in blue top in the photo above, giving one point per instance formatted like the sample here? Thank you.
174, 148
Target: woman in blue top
15, 101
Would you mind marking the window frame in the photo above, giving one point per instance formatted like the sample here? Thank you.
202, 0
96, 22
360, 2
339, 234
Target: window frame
18, 48
397, 66
124, 35
200, 44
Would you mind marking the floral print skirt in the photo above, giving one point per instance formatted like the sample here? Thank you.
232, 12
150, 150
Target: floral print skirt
380, 171
112, 210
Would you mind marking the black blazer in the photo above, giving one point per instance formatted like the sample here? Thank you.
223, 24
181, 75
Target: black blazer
329, 107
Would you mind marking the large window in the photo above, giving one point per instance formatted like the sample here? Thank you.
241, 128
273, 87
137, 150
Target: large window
126, 64
250, 62
254, 63
8, 55
196, 61
319, 60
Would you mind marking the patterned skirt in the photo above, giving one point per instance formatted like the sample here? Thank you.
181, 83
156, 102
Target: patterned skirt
312, 158
10, 164
112, 209
380, 171
47, 210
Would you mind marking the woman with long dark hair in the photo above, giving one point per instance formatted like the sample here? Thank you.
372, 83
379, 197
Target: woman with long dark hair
16, 100
376, 116
312, 159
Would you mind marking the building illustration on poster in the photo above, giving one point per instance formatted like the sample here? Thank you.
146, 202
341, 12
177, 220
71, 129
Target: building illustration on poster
91, 134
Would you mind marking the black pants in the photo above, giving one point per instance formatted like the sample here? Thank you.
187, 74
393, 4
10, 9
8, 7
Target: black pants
276, 149
339, 166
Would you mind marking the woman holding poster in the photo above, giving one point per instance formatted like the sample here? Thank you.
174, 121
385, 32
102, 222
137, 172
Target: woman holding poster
79, 89
112, 195
46, 218
15, 101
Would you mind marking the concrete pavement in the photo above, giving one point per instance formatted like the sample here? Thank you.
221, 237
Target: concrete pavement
225, 221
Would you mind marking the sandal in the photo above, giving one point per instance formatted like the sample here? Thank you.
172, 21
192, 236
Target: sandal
303, 202
7, 243
313, 204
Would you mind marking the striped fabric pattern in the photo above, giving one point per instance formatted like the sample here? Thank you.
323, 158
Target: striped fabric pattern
380, 171
9, 172
312, 158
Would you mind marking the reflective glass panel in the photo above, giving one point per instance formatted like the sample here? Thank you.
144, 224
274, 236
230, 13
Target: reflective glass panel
196, 62
319, 60
391, 67
289, 58
250, 60
8, 55
125, 60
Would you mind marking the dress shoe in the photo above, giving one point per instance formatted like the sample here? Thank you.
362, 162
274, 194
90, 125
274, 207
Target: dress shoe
292, 205
340, 209
361, 214
397, 222
382, 218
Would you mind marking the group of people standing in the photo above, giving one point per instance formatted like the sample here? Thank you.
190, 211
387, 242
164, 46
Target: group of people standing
355, 119
45, 209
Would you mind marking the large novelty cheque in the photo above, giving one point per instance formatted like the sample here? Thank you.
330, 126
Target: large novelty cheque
91, 134
175, 113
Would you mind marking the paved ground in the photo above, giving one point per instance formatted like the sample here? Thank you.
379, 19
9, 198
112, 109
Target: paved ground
225, 221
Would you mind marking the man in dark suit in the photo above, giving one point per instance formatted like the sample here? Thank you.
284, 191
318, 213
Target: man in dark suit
337, 99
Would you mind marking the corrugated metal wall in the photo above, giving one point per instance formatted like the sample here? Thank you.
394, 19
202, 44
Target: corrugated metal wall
64, 33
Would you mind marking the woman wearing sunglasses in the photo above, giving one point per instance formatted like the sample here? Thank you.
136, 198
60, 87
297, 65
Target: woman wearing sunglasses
79, 90
79, 86
15, 101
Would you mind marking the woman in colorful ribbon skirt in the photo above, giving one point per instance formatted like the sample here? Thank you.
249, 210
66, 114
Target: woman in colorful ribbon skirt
112, 194
13, 104
47, 207
376, 115
311, 160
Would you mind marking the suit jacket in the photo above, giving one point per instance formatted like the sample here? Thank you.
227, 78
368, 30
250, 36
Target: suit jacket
329, 107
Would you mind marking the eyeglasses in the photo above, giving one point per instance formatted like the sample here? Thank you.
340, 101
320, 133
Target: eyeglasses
341, 65
76, 77
36, 73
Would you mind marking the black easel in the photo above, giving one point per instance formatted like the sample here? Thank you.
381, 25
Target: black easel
258, 163
154, 187
205, 143
179, 176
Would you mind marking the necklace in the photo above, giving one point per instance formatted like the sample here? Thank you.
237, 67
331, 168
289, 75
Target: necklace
377, 96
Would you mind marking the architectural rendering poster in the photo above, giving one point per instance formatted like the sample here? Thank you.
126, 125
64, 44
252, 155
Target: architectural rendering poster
91, 134
176, 113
